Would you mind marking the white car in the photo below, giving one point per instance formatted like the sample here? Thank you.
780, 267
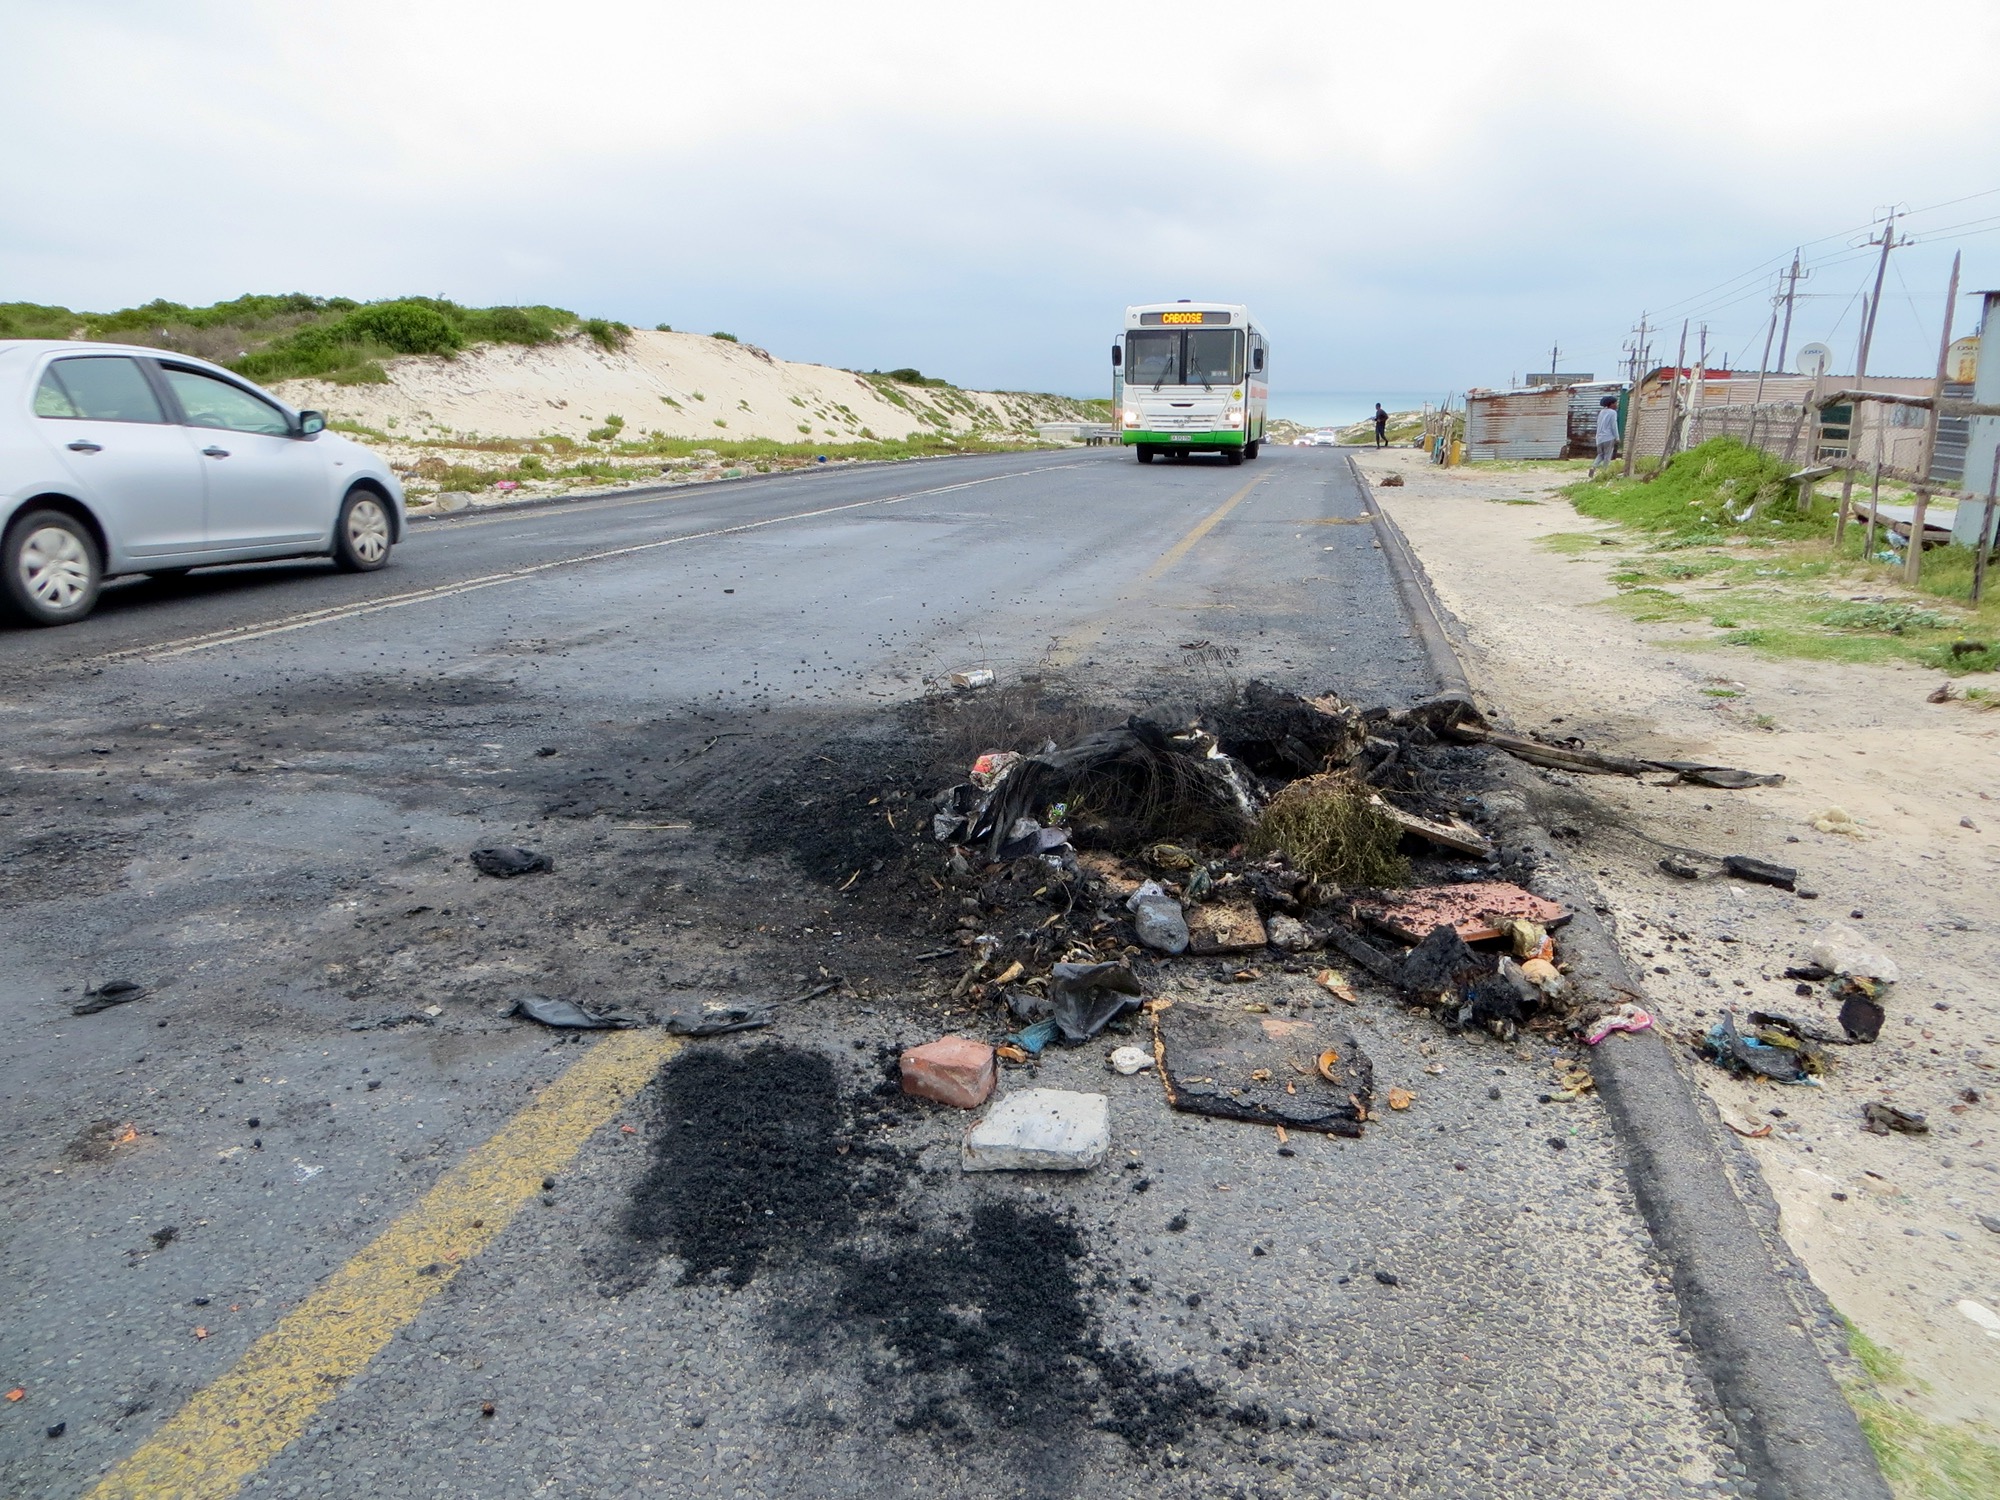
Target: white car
118, 460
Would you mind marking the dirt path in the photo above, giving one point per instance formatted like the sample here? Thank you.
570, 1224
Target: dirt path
1888, 1226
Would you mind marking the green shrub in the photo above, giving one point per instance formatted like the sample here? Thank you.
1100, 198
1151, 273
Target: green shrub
613, 425
1896, 619
663, 328
608, 336
727, 338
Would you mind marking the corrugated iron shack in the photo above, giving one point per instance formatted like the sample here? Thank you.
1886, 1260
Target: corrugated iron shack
1546, 422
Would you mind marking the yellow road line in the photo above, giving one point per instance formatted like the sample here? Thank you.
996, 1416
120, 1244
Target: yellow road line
242, 1420
1086, 635
1202, 528
237, 635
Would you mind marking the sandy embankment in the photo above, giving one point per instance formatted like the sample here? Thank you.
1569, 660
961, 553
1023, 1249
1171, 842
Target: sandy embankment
1889, 1226
678, 384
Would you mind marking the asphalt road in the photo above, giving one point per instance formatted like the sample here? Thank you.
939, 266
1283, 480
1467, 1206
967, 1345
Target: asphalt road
253, 791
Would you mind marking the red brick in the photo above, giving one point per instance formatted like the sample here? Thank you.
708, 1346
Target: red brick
953, 1070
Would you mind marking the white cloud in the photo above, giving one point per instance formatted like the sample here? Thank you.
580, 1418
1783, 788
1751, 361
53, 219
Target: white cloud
1409, 197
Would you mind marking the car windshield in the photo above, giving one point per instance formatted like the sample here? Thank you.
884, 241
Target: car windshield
1153, 358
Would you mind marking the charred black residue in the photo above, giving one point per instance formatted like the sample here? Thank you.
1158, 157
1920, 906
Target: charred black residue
751, 1162
988, 1326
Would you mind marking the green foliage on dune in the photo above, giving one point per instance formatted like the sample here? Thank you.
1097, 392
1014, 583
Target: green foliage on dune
294, 334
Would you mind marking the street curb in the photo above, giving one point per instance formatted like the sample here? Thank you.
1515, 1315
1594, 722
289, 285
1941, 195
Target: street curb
1752, 1313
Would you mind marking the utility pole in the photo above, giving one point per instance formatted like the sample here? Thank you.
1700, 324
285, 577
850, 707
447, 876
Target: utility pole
1888, 242
1791, 280
1674, 401
1555, 353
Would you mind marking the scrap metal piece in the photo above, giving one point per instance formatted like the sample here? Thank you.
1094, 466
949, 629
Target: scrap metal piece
1234, 1065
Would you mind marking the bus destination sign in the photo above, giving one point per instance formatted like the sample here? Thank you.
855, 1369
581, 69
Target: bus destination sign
1172, 319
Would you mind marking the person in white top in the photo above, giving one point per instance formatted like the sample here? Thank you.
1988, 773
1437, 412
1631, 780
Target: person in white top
1607, 434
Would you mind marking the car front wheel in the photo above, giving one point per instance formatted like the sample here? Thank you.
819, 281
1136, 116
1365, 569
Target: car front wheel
361, 538
53, 570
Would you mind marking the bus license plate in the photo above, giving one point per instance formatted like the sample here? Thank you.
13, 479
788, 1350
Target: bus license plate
1182, 437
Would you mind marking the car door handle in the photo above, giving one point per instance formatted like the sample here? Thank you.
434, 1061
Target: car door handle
85, 445
214, 452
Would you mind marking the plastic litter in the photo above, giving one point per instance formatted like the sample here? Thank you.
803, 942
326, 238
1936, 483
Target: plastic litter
1161, 924
1089, 997
1772, 1054
505, 861
1032, 1039
1628, 1017
991, 767
1836, 820
566, 1015
978, 677
1129, 1060
719, 1020
115, 992
1839, 949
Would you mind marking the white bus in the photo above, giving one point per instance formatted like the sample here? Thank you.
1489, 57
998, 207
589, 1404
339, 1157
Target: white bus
1191, 377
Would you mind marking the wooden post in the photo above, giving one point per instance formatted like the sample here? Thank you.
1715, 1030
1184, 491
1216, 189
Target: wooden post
1874, 511
1757, 401
1672, 438
1985, 532
1927, 451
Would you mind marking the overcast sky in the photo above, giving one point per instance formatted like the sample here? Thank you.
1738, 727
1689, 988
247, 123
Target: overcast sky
1411, 198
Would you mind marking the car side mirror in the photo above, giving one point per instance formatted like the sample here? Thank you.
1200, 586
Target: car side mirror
1117, 356
311, 423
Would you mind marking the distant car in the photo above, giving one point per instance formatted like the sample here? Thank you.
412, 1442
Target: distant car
116, 460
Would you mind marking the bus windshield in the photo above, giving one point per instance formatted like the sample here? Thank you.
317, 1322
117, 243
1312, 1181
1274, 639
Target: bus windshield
1207, 356
1214, 356
1153, 358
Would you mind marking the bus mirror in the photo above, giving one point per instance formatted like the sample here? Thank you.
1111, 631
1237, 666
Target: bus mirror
1117, 356
1256, 359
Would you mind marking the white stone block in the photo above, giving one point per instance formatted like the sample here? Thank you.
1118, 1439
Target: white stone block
1051, 1130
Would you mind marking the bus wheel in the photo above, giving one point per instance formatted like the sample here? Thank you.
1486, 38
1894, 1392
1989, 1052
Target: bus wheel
1250, 448
1232, 455
1145, 453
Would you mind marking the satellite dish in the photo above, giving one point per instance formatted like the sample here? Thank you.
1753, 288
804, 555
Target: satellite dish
1813, 360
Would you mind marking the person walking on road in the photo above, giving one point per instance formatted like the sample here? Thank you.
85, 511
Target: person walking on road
1381, 426
1607, 434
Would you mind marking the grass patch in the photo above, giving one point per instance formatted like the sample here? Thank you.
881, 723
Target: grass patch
1722, 517
1921, 1459
1326, 827
1572, 541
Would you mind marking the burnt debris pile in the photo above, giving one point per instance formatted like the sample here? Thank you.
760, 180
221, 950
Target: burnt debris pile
1271, 827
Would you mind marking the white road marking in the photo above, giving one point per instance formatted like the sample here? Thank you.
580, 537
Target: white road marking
187, 646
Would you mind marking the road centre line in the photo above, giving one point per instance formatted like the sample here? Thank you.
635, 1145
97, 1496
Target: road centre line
237, 1423
1086, 635
239, 634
